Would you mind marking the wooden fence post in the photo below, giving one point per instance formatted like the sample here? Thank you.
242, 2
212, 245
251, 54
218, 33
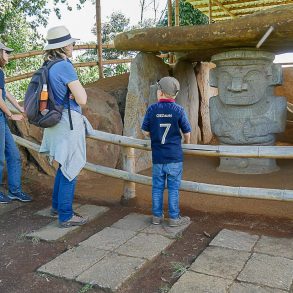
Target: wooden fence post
129, 166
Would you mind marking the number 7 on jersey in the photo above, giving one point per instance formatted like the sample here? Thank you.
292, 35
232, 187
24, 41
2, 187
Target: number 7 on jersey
167, 125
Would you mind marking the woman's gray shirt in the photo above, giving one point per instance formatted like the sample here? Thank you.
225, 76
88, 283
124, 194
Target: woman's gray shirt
66, 146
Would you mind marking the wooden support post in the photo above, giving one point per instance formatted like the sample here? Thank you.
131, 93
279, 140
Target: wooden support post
171, 55
99, 38
129, 166
210, 11
177, 20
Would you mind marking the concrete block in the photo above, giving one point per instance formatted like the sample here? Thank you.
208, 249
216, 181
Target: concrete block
109, 238
192, 282
46, 212
144, 245
112, 271
272, 271
250, 288
73, 262
220, 262
133, 222
91, 211
235, 240
275, 246
5, 208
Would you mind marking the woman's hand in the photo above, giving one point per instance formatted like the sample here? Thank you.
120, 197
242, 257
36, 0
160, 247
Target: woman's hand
16, 117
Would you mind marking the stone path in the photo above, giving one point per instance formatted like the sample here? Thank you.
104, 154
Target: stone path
108, 258
5, 208
237, 262
52, 232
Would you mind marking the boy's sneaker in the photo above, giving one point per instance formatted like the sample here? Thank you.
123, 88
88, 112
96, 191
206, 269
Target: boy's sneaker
53, 212
4, 198
76, 220
179, 222
21, 196
157, 220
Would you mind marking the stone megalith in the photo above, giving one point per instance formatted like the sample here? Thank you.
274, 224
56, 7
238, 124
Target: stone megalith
246, 112
205, 93
188, 95
145, 70
103, 113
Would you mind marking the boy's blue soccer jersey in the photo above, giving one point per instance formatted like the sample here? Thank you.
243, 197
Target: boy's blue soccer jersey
164, 120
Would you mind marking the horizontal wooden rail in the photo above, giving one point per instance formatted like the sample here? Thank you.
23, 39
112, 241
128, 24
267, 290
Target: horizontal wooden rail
221, 190
279, 152
41, 52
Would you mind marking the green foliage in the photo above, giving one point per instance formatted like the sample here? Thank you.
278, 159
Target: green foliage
187, 15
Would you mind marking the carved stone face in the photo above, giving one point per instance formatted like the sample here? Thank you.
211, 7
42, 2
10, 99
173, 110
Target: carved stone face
242, 85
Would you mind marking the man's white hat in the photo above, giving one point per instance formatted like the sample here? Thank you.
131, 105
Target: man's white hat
58, 37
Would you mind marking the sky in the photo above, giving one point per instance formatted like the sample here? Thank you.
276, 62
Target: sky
81, 22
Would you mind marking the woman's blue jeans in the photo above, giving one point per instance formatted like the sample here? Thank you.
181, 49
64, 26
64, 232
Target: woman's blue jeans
63, 194
10, 153
172, 173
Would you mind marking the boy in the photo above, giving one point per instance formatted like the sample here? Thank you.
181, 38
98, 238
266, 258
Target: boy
163, 122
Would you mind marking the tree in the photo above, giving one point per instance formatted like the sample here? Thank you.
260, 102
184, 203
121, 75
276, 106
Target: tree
187, 15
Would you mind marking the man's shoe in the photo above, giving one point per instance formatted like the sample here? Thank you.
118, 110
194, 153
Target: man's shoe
157, 220
53, 212
21, 196
4, 199
179, 222
76, 220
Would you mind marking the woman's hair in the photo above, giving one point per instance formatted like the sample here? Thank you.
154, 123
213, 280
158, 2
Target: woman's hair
54, 54
2, 61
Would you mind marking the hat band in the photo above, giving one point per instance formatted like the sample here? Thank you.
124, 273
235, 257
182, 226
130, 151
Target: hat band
59, 40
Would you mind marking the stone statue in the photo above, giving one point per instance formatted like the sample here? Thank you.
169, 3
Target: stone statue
246, 112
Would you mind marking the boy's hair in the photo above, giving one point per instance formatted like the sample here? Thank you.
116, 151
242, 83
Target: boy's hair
2, 61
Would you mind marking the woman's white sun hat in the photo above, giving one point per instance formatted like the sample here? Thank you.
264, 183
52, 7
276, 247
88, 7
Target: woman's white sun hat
58, 37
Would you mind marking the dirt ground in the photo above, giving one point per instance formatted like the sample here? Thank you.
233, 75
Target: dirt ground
21, 257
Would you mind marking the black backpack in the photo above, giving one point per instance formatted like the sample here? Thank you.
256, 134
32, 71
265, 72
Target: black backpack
32, 99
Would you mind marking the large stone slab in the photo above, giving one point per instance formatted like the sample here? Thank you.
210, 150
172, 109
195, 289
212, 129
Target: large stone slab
112, 271
192, 282
200, 42
144, 245
46, 212
52, 232
109, 238
275, 246
73, 262
133, 222
272, 271
220, 262
250, 288
235, 240
5, 208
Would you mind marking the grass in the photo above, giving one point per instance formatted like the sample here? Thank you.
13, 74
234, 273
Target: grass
164, 289
85, 288
178, 269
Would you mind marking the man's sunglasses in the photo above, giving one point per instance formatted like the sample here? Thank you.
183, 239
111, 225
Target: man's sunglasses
7, 52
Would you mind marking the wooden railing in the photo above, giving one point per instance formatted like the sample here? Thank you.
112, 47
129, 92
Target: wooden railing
130, 178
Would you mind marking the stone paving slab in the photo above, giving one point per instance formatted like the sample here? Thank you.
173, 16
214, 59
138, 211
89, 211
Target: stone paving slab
144, 245
268, 270
46, 212
109, 238
275, 246
250, 288
192, 282
220, 262
112, 271
133, 222
73, 262
52, 232
235, 240
165, 230
5, 208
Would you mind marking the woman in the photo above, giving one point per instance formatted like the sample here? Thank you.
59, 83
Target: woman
8, 148
65, 145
